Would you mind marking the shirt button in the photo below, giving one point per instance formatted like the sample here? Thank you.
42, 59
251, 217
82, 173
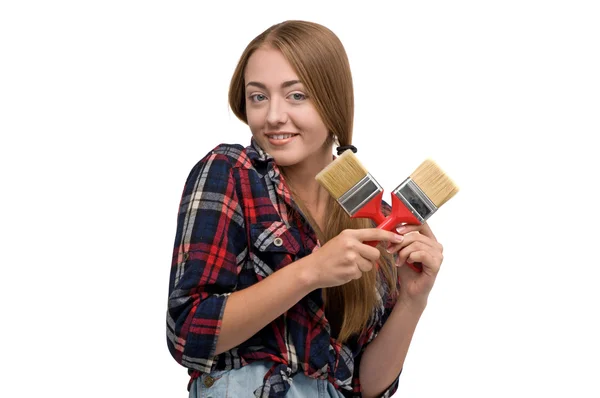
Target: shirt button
278, 242
186, 255
209, 381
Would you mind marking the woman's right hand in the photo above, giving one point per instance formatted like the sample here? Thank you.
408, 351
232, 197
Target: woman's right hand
346, 256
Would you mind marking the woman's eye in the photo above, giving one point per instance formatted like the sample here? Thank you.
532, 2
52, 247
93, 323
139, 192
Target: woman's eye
258, 97
298, 96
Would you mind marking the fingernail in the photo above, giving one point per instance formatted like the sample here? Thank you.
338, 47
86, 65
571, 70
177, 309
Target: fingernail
388, 248
398, 238
400, 229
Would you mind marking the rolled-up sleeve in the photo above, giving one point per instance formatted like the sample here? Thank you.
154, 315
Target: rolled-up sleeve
210, 247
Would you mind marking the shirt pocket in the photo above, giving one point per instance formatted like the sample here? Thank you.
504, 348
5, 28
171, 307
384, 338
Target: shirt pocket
274, 245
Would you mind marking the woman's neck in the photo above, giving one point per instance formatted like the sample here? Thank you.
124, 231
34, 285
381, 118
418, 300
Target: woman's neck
301, 179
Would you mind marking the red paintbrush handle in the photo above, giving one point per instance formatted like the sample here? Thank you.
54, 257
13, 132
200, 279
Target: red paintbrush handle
400, 214
372, 210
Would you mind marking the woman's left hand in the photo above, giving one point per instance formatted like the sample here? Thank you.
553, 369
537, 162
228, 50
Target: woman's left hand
419, 246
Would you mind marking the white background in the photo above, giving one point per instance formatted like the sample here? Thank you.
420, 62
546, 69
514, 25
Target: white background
106, 106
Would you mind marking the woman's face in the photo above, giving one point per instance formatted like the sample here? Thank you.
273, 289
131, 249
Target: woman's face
283, 120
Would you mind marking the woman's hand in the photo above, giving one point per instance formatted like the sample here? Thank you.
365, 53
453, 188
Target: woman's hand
418, 246
346, 257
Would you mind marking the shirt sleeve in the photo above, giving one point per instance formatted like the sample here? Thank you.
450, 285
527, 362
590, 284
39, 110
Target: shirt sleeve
210, 246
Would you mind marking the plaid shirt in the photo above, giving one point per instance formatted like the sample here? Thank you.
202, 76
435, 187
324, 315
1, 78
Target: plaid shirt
234, 229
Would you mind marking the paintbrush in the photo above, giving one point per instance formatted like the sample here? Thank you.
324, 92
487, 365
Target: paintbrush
415, 200
354, 188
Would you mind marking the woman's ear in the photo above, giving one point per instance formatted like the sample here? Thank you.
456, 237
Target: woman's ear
332, 139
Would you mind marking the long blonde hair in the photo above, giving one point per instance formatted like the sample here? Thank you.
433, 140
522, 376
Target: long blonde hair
319, 58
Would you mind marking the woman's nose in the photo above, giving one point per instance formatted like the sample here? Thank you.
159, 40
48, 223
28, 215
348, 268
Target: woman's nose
277, 113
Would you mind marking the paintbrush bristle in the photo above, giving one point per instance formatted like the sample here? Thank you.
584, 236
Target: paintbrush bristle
432, 180
342, 174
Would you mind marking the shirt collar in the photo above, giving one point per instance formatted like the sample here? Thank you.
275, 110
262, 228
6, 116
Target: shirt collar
257, 154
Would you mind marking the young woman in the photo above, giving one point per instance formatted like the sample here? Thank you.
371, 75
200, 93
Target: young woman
272, 290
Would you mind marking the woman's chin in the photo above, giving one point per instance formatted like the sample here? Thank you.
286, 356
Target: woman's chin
285, 160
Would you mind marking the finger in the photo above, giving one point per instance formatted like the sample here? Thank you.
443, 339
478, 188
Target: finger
369, 253
376, 234
350, 272
357, 274
426, 230
429, 262
418, 235
406, 228
364, 265
405, 252
413, 237
423, 228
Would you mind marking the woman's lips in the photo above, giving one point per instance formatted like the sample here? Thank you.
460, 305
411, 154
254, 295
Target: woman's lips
280, 139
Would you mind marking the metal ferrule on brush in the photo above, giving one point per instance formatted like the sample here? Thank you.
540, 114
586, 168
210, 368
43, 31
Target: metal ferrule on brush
415, 200
359, 195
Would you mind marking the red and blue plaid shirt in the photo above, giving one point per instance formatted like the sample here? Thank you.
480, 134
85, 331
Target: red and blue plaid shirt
235, 227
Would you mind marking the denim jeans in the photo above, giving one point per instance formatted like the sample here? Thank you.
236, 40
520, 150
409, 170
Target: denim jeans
241, 383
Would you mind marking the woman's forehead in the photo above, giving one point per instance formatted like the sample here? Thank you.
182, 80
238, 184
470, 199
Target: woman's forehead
267, 65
